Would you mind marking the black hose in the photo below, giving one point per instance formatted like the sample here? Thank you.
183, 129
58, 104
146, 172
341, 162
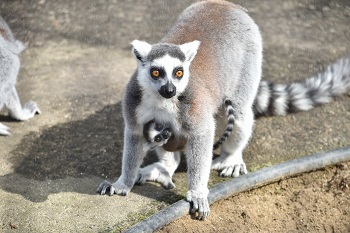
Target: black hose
246, 182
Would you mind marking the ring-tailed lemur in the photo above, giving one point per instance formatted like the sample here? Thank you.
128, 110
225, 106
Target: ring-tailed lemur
185, 84
158, 134
10, 48
213, 53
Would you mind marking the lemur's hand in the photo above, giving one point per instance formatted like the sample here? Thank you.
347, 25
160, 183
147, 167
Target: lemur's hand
199, 202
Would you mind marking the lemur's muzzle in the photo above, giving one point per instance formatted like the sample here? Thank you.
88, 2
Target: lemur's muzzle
168, 90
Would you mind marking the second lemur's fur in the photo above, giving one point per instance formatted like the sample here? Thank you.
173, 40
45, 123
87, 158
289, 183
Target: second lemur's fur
10, 48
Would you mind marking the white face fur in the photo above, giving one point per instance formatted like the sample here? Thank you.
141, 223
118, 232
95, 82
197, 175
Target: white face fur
164, 68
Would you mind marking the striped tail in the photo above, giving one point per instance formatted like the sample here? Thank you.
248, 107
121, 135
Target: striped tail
279, 99
230, 124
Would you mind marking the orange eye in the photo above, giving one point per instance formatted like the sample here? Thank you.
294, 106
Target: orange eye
179, 73
155, 73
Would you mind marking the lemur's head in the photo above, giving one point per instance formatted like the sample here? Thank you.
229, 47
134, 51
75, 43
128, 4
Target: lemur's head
164, 67
156, 134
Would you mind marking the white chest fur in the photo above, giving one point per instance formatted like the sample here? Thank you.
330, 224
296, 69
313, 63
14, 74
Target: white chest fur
154, 107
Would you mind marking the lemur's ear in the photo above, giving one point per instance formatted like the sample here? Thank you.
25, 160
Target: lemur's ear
140, 49
190, 49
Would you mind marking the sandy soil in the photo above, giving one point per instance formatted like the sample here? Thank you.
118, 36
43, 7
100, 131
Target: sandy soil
314, 202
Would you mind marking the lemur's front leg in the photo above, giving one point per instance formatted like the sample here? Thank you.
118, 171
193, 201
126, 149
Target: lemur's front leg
133, 155
199, 156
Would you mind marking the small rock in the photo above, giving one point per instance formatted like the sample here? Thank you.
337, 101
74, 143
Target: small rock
325, 8
312, 7
347, 11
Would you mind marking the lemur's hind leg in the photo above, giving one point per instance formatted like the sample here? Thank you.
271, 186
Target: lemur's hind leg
15, 109
230, 162
161, 171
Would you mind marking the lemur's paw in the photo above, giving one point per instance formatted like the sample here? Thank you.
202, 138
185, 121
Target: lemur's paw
229, 166
4, 130
115, 188
199, 202
157, 173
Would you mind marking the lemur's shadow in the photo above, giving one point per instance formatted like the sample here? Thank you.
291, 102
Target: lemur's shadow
6, 118
73, 157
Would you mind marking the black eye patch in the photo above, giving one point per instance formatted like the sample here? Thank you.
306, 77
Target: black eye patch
178, 72
157, 72
158, 138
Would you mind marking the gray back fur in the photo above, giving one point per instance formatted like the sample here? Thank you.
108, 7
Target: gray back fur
7, 39
9, 67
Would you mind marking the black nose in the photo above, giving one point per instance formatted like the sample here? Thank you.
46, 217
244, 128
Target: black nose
166, 133
168, 90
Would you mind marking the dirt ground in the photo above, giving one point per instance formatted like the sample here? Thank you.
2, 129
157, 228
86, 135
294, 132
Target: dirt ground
76, 66
314, 202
